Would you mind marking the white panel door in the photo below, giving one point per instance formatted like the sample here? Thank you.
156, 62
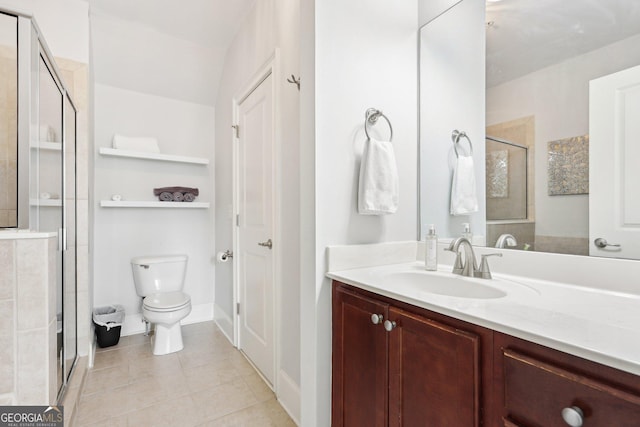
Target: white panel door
614, 164
255, 223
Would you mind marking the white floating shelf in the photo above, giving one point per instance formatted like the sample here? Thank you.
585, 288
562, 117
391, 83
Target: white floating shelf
46, 202
146, 204
43, 145
105, 151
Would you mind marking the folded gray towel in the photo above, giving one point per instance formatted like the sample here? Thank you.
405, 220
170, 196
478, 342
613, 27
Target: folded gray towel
157, 191
176, 194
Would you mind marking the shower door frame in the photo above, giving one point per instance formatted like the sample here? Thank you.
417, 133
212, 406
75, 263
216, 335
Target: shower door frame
31, 46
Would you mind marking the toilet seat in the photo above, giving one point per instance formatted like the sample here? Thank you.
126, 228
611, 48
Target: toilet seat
166, 301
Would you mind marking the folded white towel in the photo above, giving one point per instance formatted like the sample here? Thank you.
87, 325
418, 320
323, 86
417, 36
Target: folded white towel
47, 196
378, 187
464, 200
131, 143
48, 134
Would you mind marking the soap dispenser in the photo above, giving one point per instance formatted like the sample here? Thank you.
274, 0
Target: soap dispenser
466, 232
431, 249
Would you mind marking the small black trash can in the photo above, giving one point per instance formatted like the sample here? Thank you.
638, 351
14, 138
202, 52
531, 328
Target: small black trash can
108, 322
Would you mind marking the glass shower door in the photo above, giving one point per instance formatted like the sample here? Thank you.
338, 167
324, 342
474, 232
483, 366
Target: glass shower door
70, 253
49, 192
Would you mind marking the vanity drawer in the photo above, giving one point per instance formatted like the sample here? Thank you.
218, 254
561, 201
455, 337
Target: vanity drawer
536, 392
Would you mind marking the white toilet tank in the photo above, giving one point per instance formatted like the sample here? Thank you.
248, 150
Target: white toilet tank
155, 274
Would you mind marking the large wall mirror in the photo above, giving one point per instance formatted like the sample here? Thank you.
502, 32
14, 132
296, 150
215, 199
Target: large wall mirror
560, 160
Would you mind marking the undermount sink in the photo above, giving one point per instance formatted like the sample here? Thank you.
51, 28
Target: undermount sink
445, 284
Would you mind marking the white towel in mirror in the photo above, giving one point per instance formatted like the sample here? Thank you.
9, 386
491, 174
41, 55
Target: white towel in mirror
464, 200
378, 187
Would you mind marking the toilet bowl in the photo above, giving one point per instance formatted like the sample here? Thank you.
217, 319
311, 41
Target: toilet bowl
159, 281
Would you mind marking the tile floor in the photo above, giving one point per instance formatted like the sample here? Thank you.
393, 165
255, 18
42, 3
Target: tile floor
209, 383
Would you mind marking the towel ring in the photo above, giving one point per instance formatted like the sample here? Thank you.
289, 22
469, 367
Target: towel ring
371, 118
455, 137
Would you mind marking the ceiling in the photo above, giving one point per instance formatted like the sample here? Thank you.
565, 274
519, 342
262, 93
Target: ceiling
527, 35
169, 48
198, 21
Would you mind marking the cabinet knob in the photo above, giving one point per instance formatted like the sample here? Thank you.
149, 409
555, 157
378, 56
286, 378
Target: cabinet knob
389, 325
376, 319
572, 416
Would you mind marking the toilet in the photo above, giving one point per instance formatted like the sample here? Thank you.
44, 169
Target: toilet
159, 281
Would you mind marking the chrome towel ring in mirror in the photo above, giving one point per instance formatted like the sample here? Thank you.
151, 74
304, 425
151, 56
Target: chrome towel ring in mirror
455, 137
371, 118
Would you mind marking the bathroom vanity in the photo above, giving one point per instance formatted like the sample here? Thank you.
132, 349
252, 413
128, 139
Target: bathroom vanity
430, 369
408, 350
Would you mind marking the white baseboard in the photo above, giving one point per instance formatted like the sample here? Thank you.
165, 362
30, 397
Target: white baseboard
289, 396
199, 313
133, 323
224, 322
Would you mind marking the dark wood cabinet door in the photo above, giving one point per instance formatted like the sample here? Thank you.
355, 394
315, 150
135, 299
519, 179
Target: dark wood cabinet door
360, 360
433, 373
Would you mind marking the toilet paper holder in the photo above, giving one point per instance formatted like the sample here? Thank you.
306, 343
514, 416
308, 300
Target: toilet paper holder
226, 255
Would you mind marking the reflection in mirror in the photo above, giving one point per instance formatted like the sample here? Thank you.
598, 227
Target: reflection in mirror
451, 98
545, 61
8, 121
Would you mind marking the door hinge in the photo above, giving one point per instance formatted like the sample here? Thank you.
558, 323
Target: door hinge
237, 220
237, 308
236, 128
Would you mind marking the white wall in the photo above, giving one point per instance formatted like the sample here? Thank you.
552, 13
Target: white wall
136, 57
451, 97
271, 24
430, 9
182, 128
558, 97
365, 56
64, 23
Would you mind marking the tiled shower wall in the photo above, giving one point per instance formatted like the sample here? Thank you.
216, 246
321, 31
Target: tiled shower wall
8, 129
28, 319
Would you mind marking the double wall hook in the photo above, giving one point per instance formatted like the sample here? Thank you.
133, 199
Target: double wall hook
295, 81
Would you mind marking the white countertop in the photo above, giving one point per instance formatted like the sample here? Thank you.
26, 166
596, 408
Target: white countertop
598, 325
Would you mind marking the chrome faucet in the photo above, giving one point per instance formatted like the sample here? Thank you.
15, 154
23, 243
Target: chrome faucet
506, 240
469, 267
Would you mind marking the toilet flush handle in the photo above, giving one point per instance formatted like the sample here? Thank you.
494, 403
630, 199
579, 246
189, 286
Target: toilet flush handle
146, 267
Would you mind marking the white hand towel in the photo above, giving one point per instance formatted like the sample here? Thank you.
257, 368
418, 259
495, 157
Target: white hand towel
142, 143
464, 200
378, 187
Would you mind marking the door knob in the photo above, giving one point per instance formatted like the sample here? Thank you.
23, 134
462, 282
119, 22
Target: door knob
267, 244
602, 243
376, 319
